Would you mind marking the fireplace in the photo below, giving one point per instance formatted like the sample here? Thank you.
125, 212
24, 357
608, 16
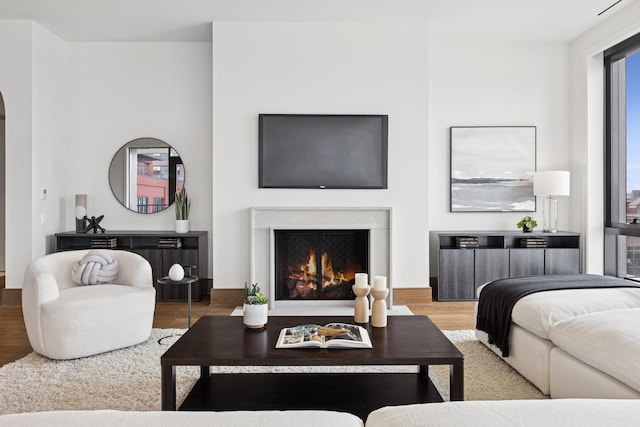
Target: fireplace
319, 264
266, 221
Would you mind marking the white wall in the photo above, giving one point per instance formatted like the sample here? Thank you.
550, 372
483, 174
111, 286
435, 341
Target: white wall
495, 84
318, 68
50, 118
124, 91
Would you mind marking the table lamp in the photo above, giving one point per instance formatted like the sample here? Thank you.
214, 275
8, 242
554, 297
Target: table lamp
550, 184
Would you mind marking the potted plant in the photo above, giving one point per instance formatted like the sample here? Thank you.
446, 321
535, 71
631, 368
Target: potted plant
527, 224
255, 307
183, 204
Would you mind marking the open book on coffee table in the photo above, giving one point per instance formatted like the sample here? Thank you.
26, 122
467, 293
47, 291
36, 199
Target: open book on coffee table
331, 335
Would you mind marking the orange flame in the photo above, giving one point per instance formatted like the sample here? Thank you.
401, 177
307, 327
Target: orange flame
307, 272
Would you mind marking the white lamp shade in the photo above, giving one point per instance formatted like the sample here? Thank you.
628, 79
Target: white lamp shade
551, 183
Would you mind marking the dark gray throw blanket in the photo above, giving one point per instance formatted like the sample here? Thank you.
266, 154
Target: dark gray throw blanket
498, 298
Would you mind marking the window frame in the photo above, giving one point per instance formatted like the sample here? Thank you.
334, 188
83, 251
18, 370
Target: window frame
616, 231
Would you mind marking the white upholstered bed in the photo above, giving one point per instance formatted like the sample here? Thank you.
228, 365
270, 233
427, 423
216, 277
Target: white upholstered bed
563, 367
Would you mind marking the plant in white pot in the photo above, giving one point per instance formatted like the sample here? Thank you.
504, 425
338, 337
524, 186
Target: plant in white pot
183, 204
255, 307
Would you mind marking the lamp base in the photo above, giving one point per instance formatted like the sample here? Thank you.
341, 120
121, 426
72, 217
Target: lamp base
550, 215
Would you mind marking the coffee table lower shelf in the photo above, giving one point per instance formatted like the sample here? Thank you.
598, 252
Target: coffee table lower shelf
356, 393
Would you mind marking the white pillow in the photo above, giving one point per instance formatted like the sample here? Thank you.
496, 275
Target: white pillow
94, 268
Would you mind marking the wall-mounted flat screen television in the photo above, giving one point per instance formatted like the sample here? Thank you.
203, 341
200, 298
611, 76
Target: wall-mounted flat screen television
323, 151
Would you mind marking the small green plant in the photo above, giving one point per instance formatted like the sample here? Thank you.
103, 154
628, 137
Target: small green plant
253, 294
183, 204
527, 223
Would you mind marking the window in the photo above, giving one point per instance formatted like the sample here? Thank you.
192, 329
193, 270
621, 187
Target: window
622, 204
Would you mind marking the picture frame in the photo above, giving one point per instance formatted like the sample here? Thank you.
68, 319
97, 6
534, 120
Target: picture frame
492, 168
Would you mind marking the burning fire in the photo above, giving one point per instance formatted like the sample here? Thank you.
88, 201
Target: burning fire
307, 273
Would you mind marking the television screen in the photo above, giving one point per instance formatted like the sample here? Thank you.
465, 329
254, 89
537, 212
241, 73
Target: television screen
322, 151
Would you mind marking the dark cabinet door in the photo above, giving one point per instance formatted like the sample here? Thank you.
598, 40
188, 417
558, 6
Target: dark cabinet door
562, 261
491, 264
455, 279
526, 262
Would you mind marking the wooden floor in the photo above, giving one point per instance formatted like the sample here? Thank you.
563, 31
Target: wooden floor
14, 343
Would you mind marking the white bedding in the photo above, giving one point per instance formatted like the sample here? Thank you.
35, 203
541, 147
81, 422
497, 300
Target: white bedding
537, 312
608, 341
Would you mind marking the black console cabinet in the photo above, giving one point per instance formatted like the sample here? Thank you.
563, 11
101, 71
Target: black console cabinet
193, 251
456, 273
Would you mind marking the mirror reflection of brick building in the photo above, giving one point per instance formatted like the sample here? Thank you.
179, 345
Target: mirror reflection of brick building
153, 181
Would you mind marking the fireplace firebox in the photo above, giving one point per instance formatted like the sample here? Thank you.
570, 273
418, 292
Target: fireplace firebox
319, 264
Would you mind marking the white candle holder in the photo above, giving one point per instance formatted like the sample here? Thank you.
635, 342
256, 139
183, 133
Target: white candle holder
379, 308
361, 303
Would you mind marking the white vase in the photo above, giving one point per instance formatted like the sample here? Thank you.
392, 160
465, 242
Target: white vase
182, 225
255, 315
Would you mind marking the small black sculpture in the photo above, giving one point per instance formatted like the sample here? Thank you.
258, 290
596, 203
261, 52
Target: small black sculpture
93, 224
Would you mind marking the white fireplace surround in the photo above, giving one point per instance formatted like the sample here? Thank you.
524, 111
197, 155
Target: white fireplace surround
264, 221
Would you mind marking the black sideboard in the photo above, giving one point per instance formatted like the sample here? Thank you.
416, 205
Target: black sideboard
457, 271
155, 247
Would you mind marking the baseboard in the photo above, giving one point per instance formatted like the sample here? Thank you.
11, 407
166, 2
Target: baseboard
406, 296
12, 297
401, 296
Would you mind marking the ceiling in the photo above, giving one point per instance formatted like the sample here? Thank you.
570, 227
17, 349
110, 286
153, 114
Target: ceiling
190, 20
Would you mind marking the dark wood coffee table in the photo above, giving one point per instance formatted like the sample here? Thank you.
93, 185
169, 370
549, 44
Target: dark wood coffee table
224, 341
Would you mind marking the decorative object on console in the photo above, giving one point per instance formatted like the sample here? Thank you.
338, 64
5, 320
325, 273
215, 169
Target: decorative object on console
527, 224
549, 184
379, 306
81, 211
103, 243
183, 205
93, 224
491, 168
255, 307
176, 272
466, 242
361, 303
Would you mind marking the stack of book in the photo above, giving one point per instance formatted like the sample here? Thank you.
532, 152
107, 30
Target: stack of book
466, 242
533, 242
170, 242
104, 242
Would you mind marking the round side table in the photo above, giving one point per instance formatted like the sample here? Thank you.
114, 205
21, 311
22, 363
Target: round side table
188, 281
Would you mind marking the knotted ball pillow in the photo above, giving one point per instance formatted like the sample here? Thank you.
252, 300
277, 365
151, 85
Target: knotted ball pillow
94, 268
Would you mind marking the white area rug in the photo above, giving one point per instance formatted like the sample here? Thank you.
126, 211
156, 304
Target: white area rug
129, 379
325, 310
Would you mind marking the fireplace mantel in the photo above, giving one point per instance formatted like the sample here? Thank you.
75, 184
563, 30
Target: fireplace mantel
264, 221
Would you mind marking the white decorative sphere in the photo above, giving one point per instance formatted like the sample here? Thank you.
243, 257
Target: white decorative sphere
176, 272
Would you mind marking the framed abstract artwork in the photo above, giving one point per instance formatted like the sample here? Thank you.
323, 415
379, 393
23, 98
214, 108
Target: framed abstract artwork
492, 168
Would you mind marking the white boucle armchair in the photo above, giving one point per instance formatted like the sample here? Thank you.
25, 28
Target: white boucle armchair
65, 320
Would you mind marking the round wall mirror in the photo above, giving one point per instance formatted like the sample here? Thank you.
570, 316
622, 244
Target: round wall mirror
145, 175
